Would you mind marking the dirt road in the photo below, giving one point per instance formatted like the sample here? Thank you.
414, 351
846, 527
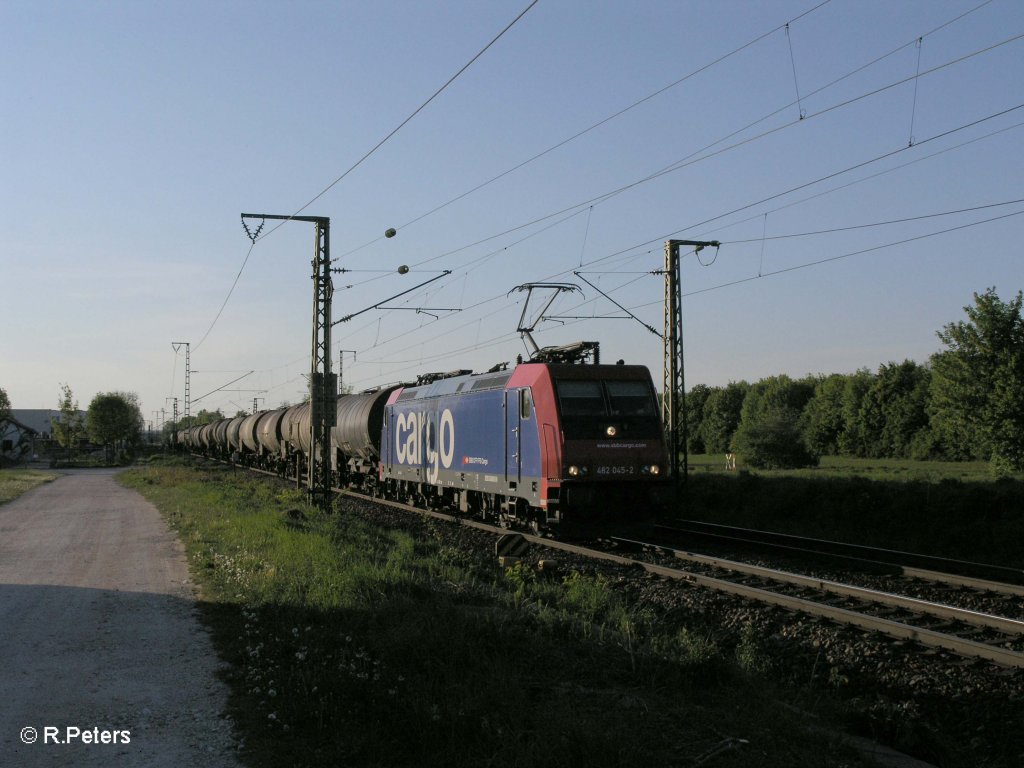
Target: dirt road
104, 660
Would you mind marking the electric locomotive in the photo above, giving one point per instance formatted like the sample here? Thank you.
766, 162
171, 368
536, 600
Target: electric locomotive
546, 445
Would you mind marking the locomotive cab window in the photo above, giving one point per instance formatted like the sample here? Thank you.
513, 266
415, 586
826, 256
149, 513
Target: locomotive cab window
525, 404
589, 408
630, 398
580, 398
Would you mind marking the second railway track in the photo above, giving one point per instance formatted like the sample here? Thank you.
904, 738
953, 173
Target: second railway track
1002, 631
928, 623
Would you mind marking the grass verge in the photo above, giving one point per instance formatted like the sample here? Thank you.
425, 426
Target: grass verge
939, 508
14, 482
351, 644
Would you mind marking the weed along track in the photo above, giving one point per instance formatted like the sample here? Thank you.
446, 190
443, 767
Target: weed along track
614, 627
931, 623
845, 604
884, 651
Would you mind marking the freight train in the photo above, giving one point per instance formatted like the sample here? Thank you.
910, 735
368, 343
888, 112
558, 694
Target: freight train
548, 446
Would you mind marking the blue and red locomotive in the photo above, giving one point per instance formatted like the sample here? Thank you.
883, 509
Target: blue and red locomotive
545, 445
541, 443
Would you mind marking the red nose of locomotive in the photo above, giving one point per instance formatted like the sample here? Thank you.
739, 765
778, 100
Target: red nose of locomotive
613, 455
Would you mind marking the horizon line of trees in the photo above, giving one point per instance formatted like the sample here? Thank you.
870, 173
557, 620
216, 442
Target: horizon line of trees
965, 403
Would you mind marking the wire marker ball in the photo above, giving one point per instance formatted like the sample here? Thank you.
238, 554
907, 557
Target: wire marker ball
403, 269
391, 232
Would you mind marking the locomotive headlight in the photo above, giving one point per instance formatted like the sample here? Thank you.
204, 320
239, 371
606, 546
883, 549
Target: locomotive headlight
574, 471
655, 469
611, 431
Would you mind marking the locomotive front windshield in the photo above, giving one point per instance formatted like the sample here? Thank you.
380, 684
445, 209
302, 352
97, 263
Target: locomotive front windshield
589, 407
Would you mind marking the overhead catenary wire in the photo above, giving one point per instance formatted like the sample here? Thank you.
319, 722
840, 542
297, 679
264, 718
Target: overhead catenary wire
771, 197
692, 159
360, 161
488, 300
505, 249
872, 224
830, 259
603, 121
573, 209
736, 132
419, 109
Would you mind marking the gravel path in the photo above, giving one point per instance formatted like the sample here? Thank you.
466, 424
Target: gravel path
104, 656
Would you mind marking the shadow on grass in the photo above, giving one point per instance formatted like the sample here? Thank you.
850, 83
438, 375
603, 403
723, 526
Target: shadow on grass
978, 521
425, 682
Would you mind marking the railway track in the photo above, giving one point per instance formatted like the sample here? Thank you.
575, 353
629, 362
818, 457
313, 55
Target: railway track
962, 632
930, 623
957, 573
934, 625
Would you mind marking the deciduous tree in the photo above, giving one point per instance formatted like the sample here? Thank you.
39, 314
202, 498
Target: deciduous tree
770, 435
114, 417
69, 428
722, 416
978, 383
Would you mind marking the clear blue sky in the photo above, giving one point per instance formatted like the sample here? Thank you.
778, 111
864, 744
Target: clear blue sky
132, 135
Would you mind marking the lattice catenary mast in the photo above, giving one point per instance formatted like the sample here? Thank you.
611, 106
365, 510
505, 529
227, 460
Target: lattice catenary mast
323, 385
674, 389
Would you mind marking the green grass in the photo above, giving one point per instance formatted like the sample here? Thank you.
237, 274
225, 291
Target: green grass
351, 644
868, 469
14, 482
946, 509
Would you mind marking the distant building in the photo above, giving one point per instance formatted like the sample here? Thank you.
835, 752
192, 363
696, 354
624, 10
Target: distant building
40, 419
17, 440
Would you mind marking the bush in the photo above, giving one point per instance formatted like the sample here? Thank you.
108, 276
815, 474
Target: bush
773, 443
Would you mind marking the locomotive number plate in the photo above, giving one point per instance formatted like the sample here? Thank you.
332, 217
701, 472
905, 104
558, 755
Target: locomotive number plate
616, 470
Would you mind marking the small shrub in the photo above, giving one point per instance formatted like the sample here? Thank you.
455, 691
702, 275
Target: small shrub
773, 443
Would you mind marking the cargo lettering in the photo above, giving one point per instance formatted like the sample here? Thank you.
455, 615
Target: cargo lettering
416, 438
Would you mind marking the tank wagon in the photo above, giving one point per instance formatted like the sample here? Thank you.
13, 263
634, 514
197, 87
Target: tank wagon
544, 445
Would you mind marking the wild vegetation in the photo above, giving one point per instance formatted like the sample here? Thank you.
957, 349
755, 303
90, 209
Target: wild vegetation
349, 643
947, 509
14, 482
114, 420
966, 403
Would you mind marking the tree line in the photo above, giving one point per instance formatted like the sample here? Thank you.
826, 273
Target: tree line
113, 420
965, 403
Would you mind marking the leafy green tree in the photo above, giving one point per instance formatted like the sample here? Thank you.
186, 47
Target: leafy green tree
5, 404
68, 429
895, 409
114, 418
721, 416
823, 415
853, 439
208, 417
770, 433
978, 383
695, 400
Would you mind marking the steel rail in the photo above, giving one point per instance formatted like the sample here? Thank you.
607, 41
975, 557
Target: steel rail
839, 550
895, 629
974, 618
